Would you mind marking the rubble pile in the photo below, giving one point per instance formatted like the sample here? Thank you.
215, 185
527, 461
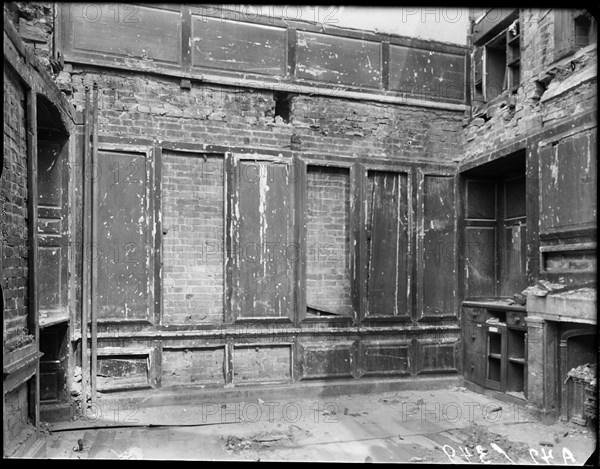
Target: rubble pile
586, 373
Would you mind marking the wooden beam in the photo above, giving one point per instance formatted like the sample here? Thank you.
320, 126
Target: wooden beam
158, 234
94, 212
358, 240
231, 269
300, 238
86, 251
33, 264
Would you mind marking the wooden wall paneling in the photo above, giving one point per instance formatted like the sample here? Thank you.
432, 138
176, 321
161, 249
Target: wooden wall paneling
110, 32
568, 183
327, 360
189, 42
338, 60
383, 358
480, 263
427, 73
436, 247
388, 247
238, 46
260, 226
437, 356
123, 231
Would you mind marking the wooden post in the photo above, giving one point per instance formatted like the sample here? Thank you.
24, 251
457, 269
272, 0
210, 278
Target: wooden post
94, 311
32, 202
300, 237
86, 246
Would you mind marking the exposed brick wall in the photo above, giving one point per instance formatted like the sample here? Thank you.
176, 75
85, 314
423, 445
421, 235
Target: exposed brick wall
193, 218
13, 189
134, 105
328, 239
145, 106
539, 70
35, 23
270, 363
375, 129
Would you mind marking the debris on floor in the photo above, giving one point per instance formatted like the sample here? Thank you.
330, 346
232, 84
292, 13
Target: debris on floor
130, 453
258, 441
483, 445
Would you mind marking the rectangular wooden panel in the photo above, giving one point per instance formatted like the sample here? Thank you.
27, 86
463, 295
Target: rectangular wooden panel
480, 261
437, 246
326, 360
117, 31
233, 45
474, 368
50, 174
50, 278
570, 261
515, 198
437, 357
122, 372
514, 270
121, 242
383, 358
262, 363
387, 245
50, 380
264, 219
480, 200
474, 337
338, 60
427, 73
193, 366
568, 183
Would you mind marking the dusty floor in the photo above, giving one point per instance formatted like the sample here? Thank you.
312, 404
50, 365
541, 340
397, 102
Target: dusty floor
452, 425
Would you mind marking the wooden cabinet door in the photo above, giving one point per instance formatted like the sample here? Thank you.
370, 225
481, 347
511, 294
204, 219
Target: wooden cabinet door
474, 348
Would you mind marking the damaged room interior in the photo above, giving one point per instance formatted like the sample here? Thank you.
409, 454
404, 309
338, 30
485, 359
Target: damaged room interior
302, 233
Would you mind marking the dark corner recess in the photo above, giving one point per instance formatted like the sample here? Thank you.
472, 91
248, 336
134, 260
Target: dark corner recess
283, 106
495, 232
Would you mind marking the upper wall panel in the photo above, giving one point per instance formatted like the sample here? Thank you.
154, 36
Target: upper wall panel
185, 41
